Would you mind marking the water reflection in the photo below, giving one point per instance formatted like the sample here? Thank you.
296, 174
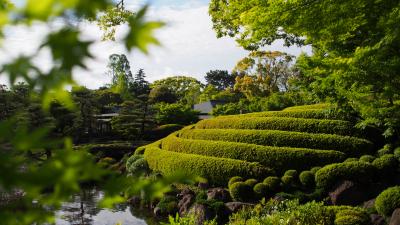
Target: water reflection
83, 210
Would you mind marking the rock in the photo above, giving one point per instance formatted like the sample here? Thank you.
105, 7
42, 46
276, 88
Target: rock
157, 212
185, 203
202, 213
347, 193
135, 201
218, 194
236, 206
203, 185
395, 219
369, 204
377, 219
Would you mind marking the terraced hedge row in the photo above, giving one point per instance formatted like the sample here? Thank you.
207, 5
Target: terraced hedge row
278, 158
216, 170
314, 106
350, 145
339, 127
307, 114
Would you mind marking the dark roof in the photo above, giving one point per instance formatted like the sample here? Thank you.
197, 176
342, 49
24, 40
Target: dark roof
207, 107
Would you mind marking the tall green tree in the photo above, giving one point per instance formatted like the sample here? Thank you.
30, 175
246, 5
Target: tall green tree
220, 79
140, 86
355, 59
121, 76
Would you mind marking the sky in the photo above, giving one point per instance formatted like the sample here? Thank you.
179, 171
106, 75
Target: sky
189, 45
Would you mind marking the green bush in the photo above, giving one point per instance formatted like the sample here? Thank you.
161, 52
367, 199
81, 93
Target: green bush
288, 181
388, 201
352, 217
307, 179
241, 191
387, 149
138, 167
261, 189
339, 127
251, 182
351, 160
350, 145
314, 170
367, 158
396, 153
175, 113
132, 159
216, 170
279, 158
234, 180
272, 183
387, 164
329, 175
292, 173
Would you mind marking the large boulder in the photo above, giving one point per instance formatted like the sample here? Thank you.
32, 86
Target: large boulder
377, 219
185, 203
395, 219
218, 194
202, 213
347, 193
234, 207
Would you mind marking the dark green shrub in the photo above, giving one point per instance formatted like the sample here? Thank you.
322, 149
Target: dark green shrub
278, 158
132, 159
261, 189
350, 145
216, 170
272, 183
329, 175
339, 127
251, 182
352, 217
351, 160
388, 201
241, 191
162, 131
288, 181
234, 180
139, 166
396, 153
367, 158
168, 205
307, 178
387, 164
387, 149
315, 169
292, 173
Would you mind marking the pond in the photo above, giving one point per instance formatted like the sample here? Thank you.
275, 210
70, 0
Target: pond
83, 210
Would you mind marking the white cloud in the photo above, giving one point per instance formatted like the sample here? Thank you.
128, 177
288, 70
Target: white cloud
189, 47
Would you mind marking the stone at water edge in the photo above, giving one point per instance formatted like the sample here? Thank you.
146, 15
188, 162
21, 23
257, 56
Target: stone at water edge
219, 194
202, 213
347, 193
185, 203
236, 206
377, 219
395, 219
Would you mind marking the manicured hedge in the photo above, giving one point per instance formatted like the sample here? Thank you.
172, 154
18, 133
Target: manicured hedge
279, 158
329, 175
339, 127
216, 170
314, 106
350, 145
162, 131
296, 113
388, 201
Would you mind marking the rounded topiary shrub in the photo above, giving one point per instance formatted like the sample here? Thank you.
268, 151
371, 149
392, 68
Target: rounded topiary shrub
139, 166
307, 178
387, 149
315, 169
292, 173
287, 180
241, 191
132, 159
388, 201
251, 182
396, 153
272, 183
386, 164
351, 217
234, 180
367, 158
260, 189
351, 160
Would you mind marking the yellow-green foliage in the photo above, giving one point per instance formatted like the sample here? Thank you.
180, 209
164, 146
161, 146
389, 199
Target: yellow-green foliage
216, 170
388, 201
279, 158
339, 127
306, 107
295, 113
349, 145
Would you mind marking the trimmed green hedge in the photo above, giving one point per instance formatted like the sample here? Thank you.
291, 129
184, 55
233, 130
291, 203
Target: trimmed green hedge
350, 145
279, 158
314, 106
327, 176
339, 127
388, 201
216, 170
305, 113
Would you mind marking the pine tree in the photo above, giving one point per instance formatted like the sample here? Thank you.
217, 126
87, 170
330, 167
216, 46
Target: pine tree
140, 86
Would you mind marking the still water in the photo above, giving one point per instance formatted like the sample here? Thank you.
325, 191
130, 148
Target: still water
83, 210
